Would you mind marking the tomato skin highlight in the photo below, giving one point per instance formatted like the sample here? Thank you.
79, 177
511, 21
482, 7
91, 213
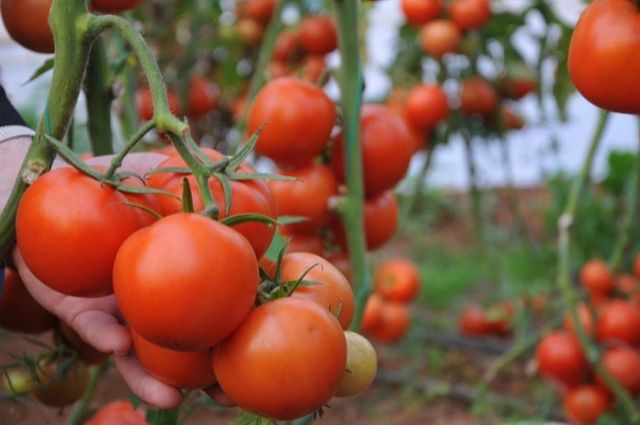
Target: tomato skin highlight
19, 312
201, 275
27, 22
285, 360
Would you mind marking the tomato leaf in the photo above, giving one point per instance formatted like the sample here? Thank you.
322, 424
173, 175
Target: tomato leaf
250, 419
144, 208
290, 219
243, 153
187, 198
43, 69
226, 190
144, 190
246, 217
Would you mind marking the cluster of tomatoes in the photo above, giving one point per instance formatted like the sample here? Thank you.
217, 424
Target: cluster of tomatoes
611, 317
496, 320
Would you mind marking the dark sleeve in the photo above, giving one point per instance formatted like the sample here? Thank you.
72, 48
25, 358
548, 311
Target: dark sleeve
8, 114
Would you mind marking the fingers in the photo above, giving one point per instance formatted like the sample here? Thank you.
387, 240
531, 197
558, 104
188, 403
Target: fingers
102, 331
146, 386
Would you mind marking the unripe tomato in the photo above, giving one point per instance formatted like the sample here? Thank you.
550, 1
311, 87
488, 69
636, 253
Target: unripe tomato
560, 357
372, 315
19, 312
426, 107
440, 37
69, 228
470, 14
387, 147
203, 96
144, 101
394, 323
317, 35
586, 319
201, 275
331, 289
473, 321
299, 118
596, 277
286, 46
284, 361
249, 31
619, 321
583, 405
86, 352
477, 96
62, 382
420, 12
361, 368
113, 6
118, 412
397, 280
603, 63
259, 10
181, 369
27, 22
623, 363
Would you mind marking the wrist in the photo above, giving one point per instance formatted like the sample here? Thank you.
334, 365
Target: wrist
8, 132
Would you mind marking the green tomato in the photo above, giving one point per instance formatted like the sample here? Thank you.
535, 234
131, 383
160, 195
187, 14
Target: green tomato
362, 365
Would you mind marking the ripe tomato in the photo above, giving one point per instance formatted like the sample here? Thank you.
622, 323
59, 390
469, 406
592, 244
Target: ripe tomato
372, 315
560, 357
307, 196
473, 321
470, 14
113, 6
586, 319
583, 405
312, 68
317, 35
145, 103
203, 96
286, 46
277, 69
629, 286
397, 280
259, 10
427, 106
19, 312
596, 277
284, 361
86, 353
342, 261
419, 12
249, 31
201, 275
623, 363
509, 119
440, 37
477, 96
119, 412
387, 147
332, 290
62, 382
299, 118
394, 323
604, 64
297, 242
181, 369
69, 228
619, 321
27, 22
361, 368
517, 82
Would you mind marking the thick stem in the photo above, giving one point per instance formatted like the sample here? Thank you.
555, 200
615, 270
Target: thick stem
351, 86
129, 112
80, 409
97, 89
474, 192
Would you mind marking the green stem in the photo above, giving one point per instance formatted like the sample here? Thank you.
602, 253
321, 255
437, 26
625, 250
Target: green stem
79, 410
70, 25
163, 417
97, 89
511, 191
116, 162
351, 86
418, 189
474, 192
129, 112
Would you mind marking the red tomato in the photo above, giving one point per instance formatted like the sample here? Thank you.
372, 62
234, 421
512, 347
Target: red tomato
394, 323
342, 261
62, 383
19, 312
477, 96
69, 228
332, 290
86, 353
277, 69
118, 412
185, 282
583, 405
145, 103
473, 321
596, 277
397, 280
299, 118
181, 369
286, 46
518, 82
619, 321
308, 196
259, 10
603, 55
586, 319
27, 22
203, 96
113, 6
313, 68
285, 360
419, 12
372, 315
387, 147
440, 37
623, 364
470, 14
509, 119
629, 286
317, 35
304, 243
500, 317
560, 358
426, 107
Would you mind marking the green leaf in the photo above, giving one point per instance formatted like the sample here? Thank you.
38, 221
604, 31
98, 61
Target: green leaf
246, 217
162, 170
144, 208
243, 153
226, 190
290, 219
43, 69
144, 190
250, 419
187, 198
260, 176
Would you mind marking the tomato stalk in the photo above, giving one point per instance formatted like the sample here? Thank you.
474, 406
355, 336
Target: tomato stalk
79, 411
97, 89
117, 160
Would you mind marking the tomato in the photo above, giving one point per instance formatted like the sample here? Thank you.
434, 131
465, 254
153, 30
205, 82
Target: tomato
477, 96
296, 242
583, 405
203, 96
397, 280
308, 196
372, 315
500, 317
510, 120
361, 368
201, 276
284, 361
17, 382
426, 107
518, 81
249, 31
394, 323
19, 312
299, 118
440, 37
86, 353
259, 10
342, 261
331, 289
118, 412
470, 14
27, 22
286, 46
113, 6
313, 68
636, 266
586, 319
69, 228
596, 277
63, 382
604, 63
560, 357
419, 12
181, 369
619, 321
145, 103
623, 363
629, 286
387, 147
277, 69
317, 35
473, 321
